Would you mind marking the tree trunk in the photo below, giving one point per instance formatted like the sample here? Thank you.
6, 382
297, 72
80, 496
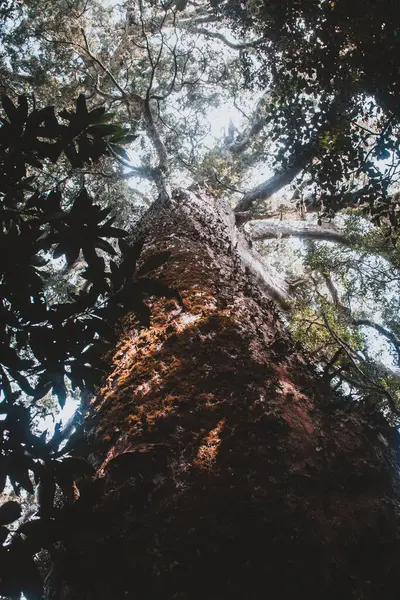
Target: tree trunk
238, 474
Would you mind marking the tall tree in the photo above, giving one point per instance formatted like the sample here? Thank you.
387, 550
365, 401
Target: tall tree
220, 461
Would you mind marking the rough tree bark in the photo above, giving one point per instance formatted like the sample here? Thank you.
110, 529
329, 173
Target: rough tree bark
226, 468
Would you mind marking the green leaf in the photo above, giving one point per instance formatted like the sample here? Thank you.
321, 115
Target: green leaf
108, 117
105, 130
128, 139
120, 151
120, 135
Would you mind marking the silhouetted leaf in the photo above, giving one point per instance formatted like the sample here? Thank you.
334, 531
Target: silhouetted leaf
73, 157
22, 108
81, 109
96, 115
106, 246
78, 467
142, 312
130, 254
103, 329
65, 480
9, 512
114, 232
28, 573
18, 472
45, 492
8, 107
59, 389
3, 474
4, 532
23, 383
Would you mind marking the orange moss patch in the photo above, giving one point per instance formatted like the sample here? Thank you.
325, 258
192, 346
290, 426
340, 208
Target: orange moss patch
208, 449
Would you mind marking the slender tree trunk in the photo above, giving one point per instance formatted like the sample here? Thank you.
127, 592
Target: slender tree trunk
225, 467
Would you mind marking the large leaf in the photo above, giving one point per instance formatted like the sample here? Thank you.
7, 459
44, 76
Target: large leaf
9, 512
9, 108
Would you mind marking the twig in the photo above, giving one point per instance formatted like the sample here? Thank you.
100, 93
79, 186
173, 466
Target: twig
349, 351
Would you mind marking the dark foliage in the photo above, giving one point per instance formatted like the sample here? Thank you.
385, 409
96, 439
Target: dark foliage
335, 69
43, 344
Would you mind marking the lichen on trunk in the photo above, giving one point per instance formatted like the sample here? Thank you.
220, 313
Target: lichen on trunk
225, 467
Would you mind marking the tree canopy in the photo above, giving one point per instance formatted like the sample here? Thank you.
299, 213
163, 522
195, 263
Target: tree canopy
290, 110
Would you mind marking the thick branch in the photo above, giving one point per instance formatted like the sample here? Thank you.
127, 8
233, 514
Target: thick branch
257, 123
389, 335
161, 171
154, 135
301, 159
219, 36
382, 330
272, 185
335, 295
271, 228
267, 277
353, 357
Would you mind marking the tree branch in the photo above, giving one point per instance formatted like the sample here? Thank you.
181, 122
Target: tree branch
382, 330
272, 185
219, 36
98, 62
365, 323
161, 171
350, 353
335, 296
301, 159
257, 122
272, 228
